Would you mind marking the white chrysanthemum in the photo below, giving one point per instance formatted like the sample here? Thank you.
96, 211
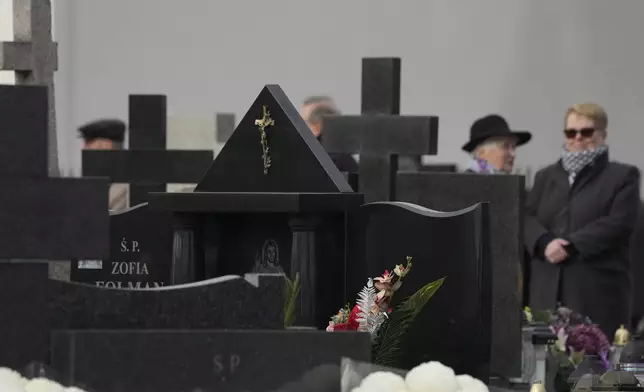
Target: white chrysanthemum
11, 380
43, 385
432, 377
383, 382
471, 384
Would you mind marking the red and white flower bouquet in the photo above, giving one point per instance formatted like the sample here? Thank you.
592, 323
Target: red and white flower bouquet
373, 313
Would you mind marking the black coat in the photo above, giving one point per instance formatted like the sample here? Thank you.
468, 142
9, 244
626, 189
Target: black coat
597, 215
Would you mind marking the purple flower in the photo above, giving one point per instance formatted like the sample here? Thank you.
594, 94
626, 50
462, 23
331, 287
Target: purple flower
589, 339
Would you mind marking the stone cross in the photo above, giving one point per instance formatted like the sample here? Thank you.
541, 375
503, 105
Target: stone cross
32, 55
380, 135
147, 166
43, 217
224, 126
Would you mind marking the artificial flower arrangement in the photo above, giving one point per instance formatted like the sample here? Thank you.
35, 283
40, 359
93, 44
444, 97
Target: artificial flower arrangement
430, 376
372, 313
577, 337
12, 381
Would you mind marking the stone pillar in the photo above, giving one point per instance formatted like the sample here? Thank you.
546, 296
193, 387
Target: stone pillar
303, 261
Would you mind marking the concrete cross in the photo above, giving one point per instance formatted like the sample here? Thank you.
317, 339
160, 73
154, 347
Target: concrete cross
32, 55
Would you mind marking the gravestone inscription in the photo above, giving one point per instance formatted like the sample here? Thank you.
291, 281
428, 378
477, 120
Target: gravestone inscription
454, 327
221, 361
380, 135
38, 305
140, 249
505, 194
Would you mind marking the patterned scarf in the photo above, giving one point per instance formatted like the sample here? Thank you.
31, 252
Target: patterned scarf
574, 162
478, 165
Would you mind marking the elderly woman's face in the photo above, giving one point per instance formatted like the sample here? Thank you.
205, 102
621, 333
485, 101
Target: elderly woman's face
500, 153
581, 133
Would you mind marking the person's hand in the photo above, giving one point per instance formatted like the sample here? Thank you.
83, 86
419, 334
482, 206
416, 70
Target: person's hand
555, 252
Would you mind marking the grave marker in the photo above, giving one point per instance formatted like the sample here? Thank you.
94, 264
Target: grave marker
636, 256
221, 361
34, 59
454, 327
35, 306
380, 135
42, 217
140, 249
147, 166
505, 195
224, 126
248, 216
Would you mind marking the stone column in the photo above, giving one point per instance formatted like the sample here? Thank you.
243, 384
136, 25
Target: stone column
303, 261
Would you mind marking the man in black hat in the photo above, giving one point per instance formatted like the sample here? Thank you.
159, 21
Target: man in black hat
493, 144
107, 134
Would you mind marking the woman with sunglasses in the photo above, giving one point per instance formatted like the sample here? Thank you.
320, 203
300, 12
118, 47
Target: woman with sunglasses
580, 215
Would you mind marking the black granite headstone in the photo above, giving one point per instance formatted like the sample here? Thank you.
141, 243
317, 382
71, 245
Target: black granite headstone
505, 194
140, 249
272, 201
439, 168
637, 266
147, 166
454, 327
207, 361
33, 306
380, 134
43, 218
224, 126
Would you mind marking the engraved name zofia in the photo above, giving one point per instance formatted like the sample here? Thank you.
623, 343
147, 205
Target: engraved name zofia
129, 268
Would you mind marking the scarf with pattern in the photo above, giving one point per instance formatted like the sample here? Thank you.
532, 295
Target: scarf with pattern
478, 165
575, 161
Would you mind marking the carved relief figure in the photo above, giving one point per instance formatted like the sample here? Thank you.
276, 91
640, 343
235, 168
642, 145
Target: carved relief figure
267, 259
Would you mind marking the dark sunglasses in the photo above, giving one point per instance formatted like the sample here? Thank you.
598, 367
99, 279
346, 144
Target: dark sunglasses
584, 132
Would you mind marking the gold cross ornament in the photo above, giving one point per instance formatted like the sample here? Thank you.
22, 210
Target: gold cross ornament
263, 123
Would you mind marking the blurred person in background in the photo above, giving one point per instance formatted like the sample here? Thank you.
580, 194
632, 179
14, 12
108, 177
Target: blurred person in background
313, 112
580, 215
107, 134
492, 145
492, 148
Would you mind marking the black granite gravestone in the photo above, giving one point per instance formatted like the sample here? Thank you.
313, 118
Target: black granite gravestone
43, 218
454, 327
207, 361
147, 166
637, 266
439, 168
505, 194
380, 135
224, 126
33, 57
33, 305
140, 249
272, 201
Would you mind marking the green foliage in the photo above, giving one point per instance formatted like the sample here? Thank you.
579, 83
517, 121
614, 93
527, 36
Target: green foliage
388, 345
291, 293
543, 316
560, 357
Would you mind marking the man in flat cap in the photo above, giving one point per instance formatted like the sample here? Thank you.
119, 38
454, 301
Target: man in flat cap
107, 134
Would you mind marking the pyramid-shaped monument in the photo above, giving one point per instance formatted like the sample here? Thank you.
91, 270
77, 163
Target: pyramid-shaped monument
273, 150
273, 201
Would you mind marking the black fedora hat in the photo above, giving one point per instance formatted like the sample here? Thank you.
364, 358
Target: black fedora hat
491, 126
